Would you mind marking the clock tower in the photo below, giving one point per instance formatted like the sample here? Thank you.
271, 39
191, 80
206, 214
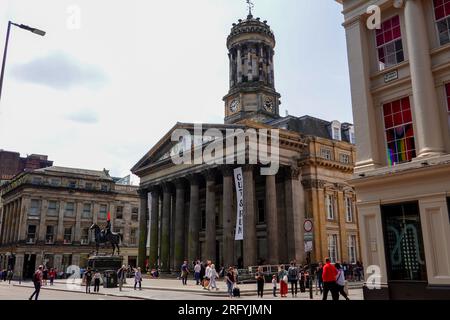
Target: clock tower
252, 93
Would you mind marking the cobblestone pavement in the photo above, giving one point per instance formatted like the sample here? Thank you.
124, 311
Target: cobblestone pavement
159, 289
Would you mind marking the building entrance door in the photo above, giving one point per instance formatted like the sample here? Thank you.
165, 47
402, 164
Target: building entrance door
29, 266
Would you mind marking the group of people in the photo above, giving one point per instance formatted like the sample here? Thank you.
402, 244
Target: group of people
7, 275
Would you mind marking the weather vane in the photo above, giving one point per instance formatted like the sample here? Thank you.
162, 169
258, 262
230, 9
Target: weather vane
250, 7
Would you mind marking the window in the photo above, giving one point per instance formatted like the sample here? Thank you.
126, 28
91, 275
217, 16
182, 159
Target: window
352, 249
70, 209
72, 184
399, 131
85, 236
329, 202
87, 211
103, 211
55, 182
37, 180
336, 130
49, 235
52, 208
68, 235
344, 158
89, 186
133, 237
135, 214
119, 212
348, 209
332, 248
261, 211
35, 207
31, 234
326, 153
442, 16
389, 43
104, 187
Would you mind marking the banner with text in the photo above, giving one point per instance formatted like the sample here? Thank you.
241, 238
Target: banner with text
239, 183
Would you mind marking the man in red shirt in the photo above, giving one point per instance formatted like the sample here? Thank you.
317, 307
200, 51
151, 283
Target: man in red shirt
37, 281
329, 275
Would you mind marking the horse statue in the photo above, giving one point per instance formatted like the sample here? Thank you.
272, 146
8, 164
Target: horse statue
101, 236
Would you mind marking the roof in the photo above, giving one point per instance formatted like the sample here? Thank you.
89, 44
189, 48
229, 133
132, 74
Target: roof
104, 174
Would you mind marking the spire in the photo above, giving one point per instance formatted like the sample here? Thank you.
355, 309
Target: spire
250, 7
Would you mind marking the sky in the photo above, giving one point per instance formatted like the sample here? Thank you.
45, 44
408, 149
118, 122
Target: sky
111, 77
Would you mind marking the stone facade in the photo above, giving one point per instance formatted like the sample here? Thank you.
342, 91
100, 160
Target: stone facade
401, 112
47, 214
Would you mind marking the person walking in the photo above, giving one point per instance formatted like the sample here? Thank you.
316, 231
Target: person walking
10, 275
319, 280
274, 285
340, 281
37, 281
138, 278
44, 276
230, 280
88, 279
52, 275
293, 278
302, 279
121, 274
329, 275
184, 273
259, 276
197, 272
207, 278
283, 276
97, 277
213, 277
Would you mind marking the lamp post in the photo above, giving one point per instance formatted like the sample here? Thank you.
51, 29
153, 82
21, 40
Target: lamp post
22, 26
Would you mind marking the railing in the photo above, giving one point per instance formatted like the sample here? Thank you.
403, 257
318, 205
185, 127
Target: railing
31, 240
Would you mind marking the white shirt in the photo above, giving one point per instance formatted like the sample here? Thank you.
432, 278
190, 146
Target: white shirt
208, 272
340, 279
197, 268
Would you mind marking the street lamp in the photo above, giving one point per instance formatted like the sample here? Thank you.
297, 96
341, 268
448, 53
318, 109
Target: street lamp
22, 26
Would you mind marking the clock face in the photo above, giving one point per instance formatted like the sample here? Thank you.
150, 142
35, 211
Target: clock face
268, 104
234, 105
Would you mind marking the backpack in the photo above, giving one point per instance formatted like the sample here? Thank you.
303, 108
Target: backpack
292, 273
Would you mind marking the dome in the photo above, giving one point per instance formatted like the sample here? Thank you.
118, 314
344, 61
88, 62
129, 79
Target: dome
250, 26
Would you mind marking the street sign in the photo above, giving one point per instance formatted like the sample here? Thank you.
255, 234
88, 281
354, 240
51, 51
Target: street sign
308, 246
308, 225
308, 236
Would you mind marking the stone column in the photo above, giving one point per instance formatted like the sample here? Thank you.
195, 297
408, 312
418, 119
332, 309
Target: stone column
154, 229
165, 228
239, 66
142, 249
272, 220
172, 230
250, 240
210, 235
76, 260
42, 228
60, 231
7, 215
295, 215
18, 220
57, 262
78, 211
179, 224
428, 133
228, 239
23, 218
194, 219
18, 267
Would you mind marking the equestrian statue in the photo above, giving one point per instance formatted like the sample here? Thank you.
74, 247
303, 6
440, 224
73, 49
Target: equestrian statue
106, 235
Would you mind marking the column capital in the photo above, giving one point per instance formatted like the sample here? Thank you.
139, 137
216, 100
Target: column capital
154, 188
180, 183
167, 187
210, 174
193, 178
293, 172
226, 170
141, 192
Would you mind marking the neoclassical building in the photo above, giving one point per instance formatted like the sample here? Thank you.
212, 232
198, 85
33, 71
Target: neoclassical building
400, 85
193, 205
47, 214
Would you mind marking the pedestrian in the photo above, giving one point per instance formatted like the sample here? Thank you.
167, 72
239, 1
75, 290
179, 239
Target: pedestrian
207, 279
121, 274
283, 277
293, 278
52, 275
230, 279
302, 279
10, 275
202, 271
4, 275
274, 285
44, 276
37, 281
319, 280
88, 278
97, 277
213, 276
197, 272
138, 278
340, 281
184, 273
329, 275
259, 276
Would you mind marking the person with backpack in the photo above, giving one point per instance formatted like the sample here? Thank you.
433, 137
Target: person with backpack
293, 278
259, 276
37, 281
340, 281
88, 278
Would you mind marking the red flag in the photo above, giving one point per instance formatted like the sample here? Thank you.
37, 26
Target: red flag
108, 218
